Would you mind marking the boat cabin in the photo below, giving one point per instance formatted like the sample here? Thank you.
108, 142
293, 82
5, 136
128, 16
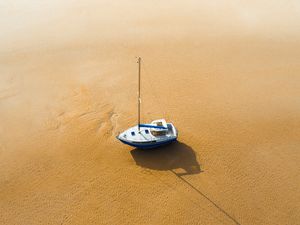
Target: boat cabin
159, 131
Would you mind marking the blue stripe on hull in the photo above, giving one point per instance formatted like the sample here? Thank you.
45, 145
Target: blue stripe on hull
152, 145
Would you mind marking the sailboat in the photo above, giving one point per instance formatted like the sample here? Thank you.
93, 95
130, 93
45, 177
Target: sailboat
152, 135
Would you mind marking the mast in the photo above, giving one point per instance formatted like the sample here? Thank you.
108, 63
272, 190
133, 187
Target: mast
139, 93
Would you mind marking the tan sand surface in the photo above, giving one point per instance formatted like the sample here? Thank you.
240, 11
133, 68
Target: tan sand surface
226, 73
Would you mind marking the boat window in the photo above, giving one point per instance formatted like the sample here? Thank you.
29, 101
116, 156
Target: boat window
132, 133
158, 133
159, 123
147, 131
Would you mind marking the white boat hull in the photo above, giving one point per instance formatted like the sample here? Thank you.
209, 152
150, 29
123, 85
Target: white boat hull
146, 136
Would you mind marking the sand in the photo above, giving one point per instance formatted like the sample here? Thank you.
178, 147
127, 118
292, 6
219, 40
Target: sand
225, 73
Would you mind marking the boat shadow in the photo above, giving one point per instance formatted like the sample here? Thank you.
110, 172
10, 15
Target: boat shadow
171, 157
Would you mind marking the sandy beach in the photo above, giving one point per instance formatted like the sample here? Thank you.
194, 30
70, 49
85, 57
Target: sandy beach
227, 74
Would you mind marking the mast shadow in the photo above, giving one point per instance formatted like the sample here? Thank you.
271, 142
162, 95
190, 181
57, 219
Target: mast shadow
174, 156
